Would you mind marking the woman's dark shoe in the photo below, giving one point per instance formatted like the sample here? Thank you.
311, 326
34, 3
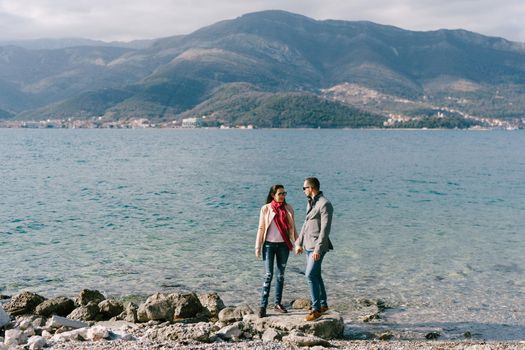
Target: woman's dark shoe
280, 308
262, 312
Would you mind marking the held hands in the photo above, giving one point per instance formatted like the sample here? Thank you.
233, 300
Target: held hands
298, 250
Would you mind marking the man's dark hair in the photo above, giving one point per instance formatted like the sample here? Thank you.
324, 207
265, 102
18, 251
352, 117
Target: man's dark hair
314, 182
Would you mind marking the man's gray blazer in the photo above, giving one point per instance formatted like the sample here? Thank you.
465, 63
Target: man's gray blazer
315, 233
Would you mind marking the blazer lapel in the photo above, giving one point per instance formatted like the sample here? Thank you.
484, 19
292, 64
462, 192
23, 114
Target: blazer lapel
310, 211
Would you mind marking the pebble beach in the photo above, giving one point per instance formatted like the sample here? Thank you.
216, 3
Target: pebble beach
197, 321
259, 345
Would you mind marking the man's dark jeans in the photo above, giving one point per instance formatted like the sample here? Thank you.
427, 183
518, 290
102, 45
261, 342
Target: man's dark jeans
315, 281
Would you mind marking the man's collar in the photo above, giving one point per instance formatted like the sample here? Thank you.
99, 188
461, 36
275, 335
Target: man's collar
316, 197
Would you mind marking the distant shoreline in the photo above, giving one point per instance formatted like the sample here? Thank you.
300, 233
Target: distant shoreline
233, 128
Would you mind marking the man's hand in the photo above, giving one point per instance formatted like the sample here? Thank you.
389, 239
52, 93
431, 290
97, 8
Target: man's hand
316, 256
298, 250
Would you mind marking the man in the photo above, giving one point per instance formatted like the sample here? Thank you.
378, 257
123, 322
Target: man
314, 239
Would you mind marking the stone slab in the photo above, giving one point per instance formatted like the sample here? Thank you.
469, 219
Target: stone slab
118, 325
58, 321
329, 326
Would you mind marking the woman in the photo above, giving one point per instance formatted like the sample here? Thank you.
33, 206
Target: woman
275, 238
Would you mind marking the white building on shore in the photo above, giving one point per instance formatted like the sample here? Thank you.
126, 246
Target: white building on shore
191, 122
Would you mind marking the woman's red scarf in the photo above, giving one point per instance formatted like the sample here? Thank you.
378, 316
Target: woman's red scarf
281, 220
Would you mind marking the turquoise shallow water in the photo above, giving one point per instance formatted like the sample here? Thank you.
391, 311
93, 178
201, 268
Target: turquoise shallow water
431, 221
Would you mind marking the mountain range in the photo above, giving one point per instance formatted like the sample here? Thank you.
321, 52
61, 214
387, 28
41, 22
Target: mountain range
270, 68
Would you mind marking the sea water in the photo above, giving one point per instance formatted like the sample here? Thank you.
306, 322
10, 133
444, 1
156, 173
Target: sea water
432, 222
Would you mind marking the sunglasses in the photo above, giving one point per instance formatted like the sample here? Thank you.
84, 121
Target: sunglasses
282, 193
304, 188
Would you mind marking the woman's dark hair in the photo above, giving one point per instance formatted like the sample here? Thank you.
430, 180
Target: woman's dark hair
273, 191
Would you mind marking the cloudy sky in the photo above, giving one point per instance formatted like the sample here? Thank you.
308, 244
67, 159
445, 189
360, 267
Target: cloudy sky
143, 19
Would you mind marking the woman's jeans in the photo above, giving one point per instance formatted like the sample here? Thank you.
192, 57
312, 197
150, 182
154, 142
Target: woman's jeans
278, 252
315, 281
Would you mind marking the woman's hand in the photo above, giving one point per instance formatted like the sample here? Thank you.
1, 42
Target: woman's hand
298, 250
258, 253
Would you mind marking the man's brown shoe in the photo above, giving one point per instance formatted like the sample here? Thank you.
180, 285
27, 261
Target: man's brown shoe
313, 315
323, 309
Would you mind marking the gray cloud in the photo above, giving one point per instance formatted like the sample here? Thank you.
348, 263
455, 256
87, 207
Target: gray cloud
138, 19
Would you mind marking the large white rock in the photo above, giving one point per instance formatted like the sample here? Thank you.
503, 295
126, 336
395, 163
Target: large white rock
3, 347
77, 334
4, 317
58, 321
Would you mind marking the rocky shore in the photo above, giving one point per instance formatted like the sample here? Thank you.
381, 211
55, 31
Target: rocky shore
186, 321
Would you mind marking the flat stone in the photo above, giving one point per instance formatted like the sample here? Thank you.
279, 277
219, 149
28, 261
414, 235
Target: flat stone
300, 339
77, 334
328, 326
200, 332
58, 321
118, 325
